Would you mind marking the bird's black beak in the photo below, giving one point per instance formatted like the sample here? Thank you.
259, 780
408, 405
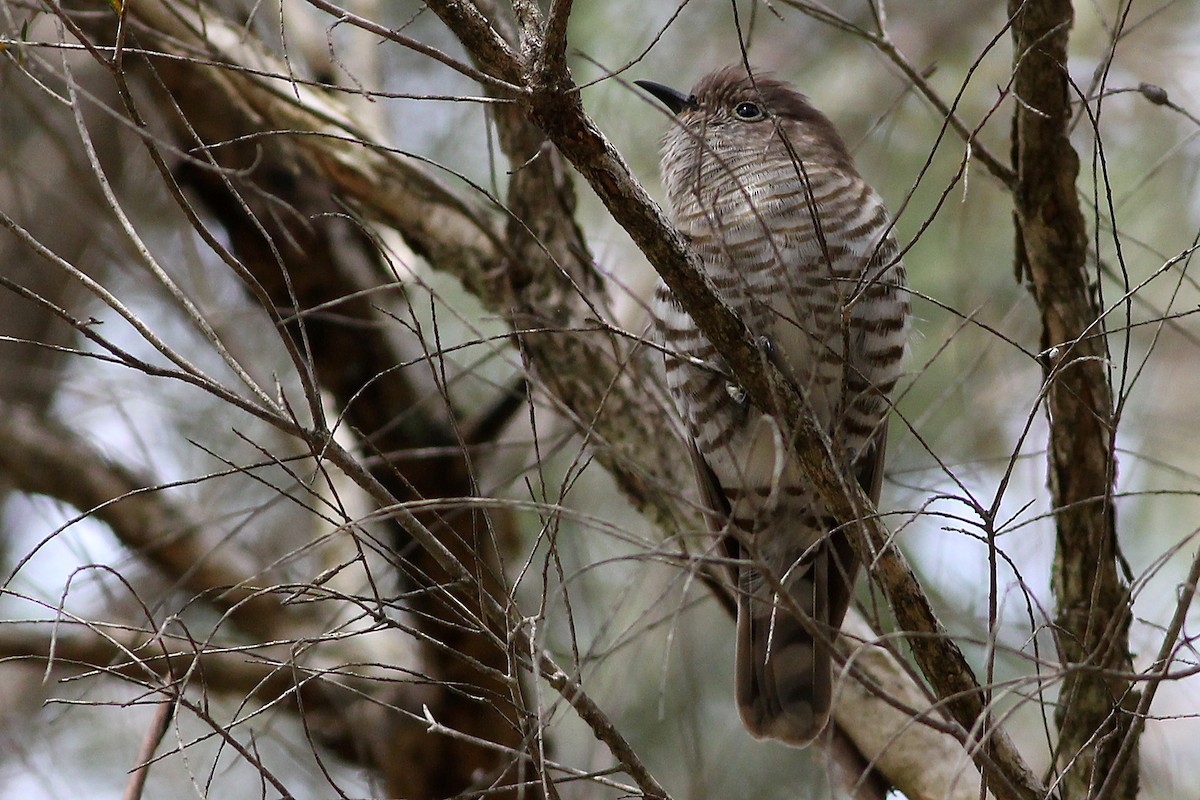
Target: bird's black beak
671, 98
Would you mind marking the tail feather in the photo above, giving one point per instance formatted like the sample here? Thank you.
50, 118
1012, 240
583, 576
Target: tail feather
784, 673
784, 684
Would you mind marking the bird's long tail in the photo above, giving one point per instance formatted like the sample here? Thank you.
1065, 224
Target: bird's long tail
784, 682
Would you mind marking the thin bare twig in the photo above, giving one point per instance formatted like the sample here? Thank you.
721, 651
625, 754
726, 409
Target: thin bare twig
163, 714
344, 15
881, 41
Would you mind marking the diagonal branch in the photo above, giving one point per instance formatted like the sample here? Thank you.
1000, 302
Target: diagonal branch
923, 761
884, 44
42, 457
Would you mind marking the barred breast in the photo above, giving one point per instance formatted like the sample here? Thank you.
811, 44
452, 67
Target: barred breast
809, 264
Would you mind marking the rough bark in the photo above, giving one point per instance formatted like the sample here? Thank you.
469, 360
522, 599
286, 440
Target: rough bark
1093, 614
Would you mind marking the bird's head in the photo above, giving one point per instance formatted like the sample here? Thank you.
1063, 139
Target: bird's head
731, 108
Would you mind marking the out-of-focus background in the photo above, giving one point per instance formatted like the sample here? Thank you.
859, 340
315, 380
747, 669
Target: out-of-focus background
650, 645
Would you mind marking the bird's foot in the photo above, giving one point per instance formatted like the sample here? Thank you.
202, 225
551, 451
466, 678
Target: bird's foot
735, 391
737, 394
766, 347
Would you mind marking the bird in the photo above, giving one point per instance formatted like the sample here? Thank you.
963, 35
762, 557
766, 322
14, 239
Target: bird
765, 193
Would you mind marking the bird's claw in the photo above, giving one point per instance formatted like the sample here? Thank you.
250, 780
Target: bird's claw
766, 347
737, 394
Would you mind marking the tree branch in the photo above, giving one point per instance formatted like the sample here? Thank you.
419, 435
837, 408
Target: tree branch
42, 457
1094, 712
922, 762
266, 675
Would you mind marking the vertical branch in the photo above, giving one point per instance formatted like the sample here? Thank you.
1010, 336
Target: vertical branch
1051, 248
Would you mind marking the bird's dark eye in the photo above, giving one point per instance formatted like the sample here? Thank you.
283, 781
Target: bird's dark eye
748, 112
